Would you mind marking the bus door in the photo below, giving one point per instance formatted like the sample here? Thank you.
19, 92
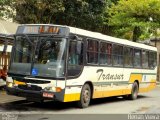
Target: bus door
75, 58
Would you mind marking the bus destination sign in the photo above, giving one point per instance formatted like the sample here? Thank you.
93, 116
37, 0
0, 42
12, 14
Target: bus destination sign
41, 29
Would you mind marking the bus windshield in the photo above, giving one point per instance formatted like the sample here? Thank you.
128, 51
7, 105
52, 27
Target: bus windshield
38, 56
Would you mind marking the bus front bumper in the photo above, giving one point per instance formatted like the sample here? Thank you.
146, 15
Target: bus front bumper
37, 96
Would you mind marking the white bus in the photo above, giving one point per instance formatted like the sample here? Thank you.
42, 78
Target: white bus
69, 64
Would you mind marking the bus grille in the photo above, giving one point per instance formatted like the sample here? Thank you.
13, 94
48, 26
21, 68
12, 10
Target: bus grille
32, 81
31, 87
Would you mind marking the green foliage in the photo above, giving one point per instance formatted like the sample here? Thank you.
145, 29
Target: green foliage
37, 11
131, 14
129, 19
5, 9
87, 14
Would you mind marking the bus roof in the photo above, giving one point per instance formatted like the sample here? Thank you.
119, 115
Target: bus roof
100, 36
110, 38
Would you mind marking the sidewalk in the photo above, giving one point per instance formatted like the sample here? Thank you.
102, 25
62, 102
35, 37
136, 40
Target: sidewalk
5, 98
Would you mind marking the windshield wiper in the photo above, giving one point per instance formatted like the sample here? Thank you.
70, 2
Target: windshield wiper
26, 36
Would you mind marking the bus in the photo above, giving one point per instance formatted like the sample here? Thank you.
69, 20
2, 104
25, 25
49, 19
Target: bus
62, 63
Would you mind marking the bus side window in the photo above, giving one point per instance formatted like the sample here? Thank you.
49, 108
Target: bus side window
117, 55
74, 57
75, 60
152, 59
145, 56
137, 58
105, 53
92, 52
128, 57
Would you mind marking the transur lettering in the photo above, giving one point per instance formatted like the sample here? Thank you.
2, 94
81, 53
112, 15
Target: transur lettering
109, 76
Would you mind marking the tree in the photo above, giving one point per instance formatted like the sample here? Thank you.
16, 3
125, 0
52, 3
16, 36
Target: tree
135, 19
106, 28
66, 12
87, 14
6, 10
37, 11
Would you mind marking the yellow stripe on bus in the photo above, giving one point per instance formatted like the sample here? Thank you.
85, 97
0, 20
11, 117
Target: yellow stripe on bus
19, 83
100, 94
134, 77
71, 97
151, 86
109, 93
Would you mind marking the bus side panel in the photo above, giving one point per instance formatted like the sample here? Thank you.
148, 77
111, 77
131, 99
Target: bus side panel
145, 78
73, 90
109, 81
106, 82
148, 81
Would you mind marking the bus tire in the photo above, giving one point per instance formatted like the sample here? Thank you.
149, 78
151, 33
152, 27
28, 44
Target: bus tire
134, 92
85, 97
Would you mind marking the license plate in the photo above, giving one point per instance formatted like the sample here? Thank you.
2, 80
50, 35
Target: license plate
48, 95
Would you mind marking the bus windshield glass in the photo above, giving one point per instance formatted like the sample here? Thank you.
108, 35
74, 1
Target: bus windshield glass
41, 56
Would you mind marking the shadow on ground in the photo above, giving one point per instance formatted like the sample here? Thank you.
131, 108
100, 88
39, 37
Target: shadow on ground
24, 105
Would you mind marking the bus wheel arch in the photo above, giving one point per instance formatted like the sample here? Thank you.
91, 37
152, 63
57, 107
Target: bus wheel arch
131, 96
86, 95
91, 86
134, 90
137, 82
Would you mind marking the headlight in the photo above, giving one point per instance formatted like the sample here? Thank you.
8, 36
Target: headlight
9, 84
53, 89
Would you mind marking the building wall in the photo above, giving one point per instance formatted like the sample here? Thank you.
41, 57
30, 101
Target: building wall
8, 28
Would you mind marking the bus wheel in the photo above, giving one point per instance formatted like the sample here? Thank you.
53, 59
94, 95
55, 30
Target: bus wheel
134, 92
85, 96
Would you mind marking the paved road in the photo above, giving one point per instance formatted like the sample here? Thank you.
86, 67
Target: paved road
146, 103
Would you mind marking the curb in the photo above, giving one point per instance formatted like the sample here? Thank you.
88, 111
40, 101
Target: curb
158, 84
